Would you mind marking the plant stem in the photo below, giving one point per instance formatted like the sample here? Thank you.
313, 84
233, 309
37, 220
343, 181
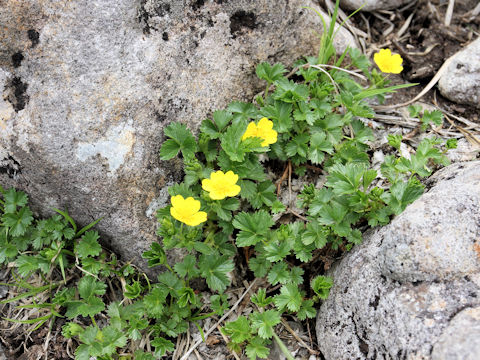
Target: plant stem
283, 347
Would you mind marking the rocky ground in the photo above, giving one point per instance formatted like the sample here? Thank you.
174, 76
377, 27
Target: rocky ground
410, 291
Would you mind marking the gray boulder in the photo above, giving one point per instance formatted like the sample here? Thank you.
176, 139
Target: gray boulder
88, 86
371, 5
460, 82
397, 294
461, 339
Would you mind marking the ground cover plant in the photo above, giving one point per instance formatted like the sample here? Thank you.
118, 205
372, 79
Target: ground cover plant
227, 210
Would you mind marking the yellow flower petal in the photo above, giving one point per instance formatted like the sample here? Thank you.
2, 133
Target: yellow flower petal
192, 205
264, 123
221, 185
234, 191
251, 131
207, 185
187, 210
387, 62
197, 218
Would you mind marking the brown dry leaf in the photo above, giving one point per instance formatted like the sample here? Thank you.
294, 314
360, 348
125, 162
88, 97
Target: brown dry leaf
212, 340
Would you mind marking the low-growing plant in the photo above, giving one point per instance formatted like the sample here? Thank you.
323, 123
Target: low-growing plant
312, 119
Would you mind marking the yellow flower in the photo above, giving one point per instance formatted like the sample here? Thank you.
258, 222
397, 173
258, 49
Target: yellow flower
221, 185
388, 62
263, 130
187, 210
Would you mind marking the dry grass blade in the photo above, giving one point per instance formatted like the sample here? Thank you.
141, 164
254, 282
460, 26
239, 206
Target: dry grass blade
472, 139
472, 14
449, 13
298, 338
194, 346
405, 25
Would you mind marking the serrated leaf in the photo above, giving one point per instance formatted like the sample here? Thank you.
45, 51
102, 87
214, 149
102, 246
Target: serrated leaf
242, 111
238, 330
278, 274
264, 322
321, 286
14, 199
256, 349
215, 269
290, 297
183, 139
19, 221
162, 346
88, 287
88, 245
253, 227
270, 73
280, 114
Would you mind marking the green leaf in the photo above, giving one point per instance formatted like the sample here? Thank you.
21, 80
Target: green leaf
345, 179
256, 349
321, 286
162, 346
359, 60
238, 330
270, 73
402, 194
276, 251
181, 139
187, 267
154, 301
19, 221
27, 264
88, 245
264, 195
278, 207
232, 142
261, 299
259, 265
278, 274
89, 287
242, 111
298, 145
395, 140
156, 255
319, 145
290, 92
451, 144
253, 227
414, 110
290, 297
264, 322
215, 269
14, 199
307, 310
434, 116
280, 114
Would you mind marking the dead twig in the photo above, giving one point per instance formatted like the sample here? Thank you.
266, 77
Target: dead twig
282, 178
298, 338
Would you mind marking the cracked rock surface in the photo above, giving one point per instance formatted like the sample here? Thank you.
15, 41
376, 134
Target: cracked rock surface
88, 86
413, 282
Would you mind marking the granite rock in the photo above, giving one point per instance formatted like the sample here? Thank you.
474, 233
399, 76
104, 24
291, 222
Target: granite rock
88, 86
396, 294
461, 339
460, 82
